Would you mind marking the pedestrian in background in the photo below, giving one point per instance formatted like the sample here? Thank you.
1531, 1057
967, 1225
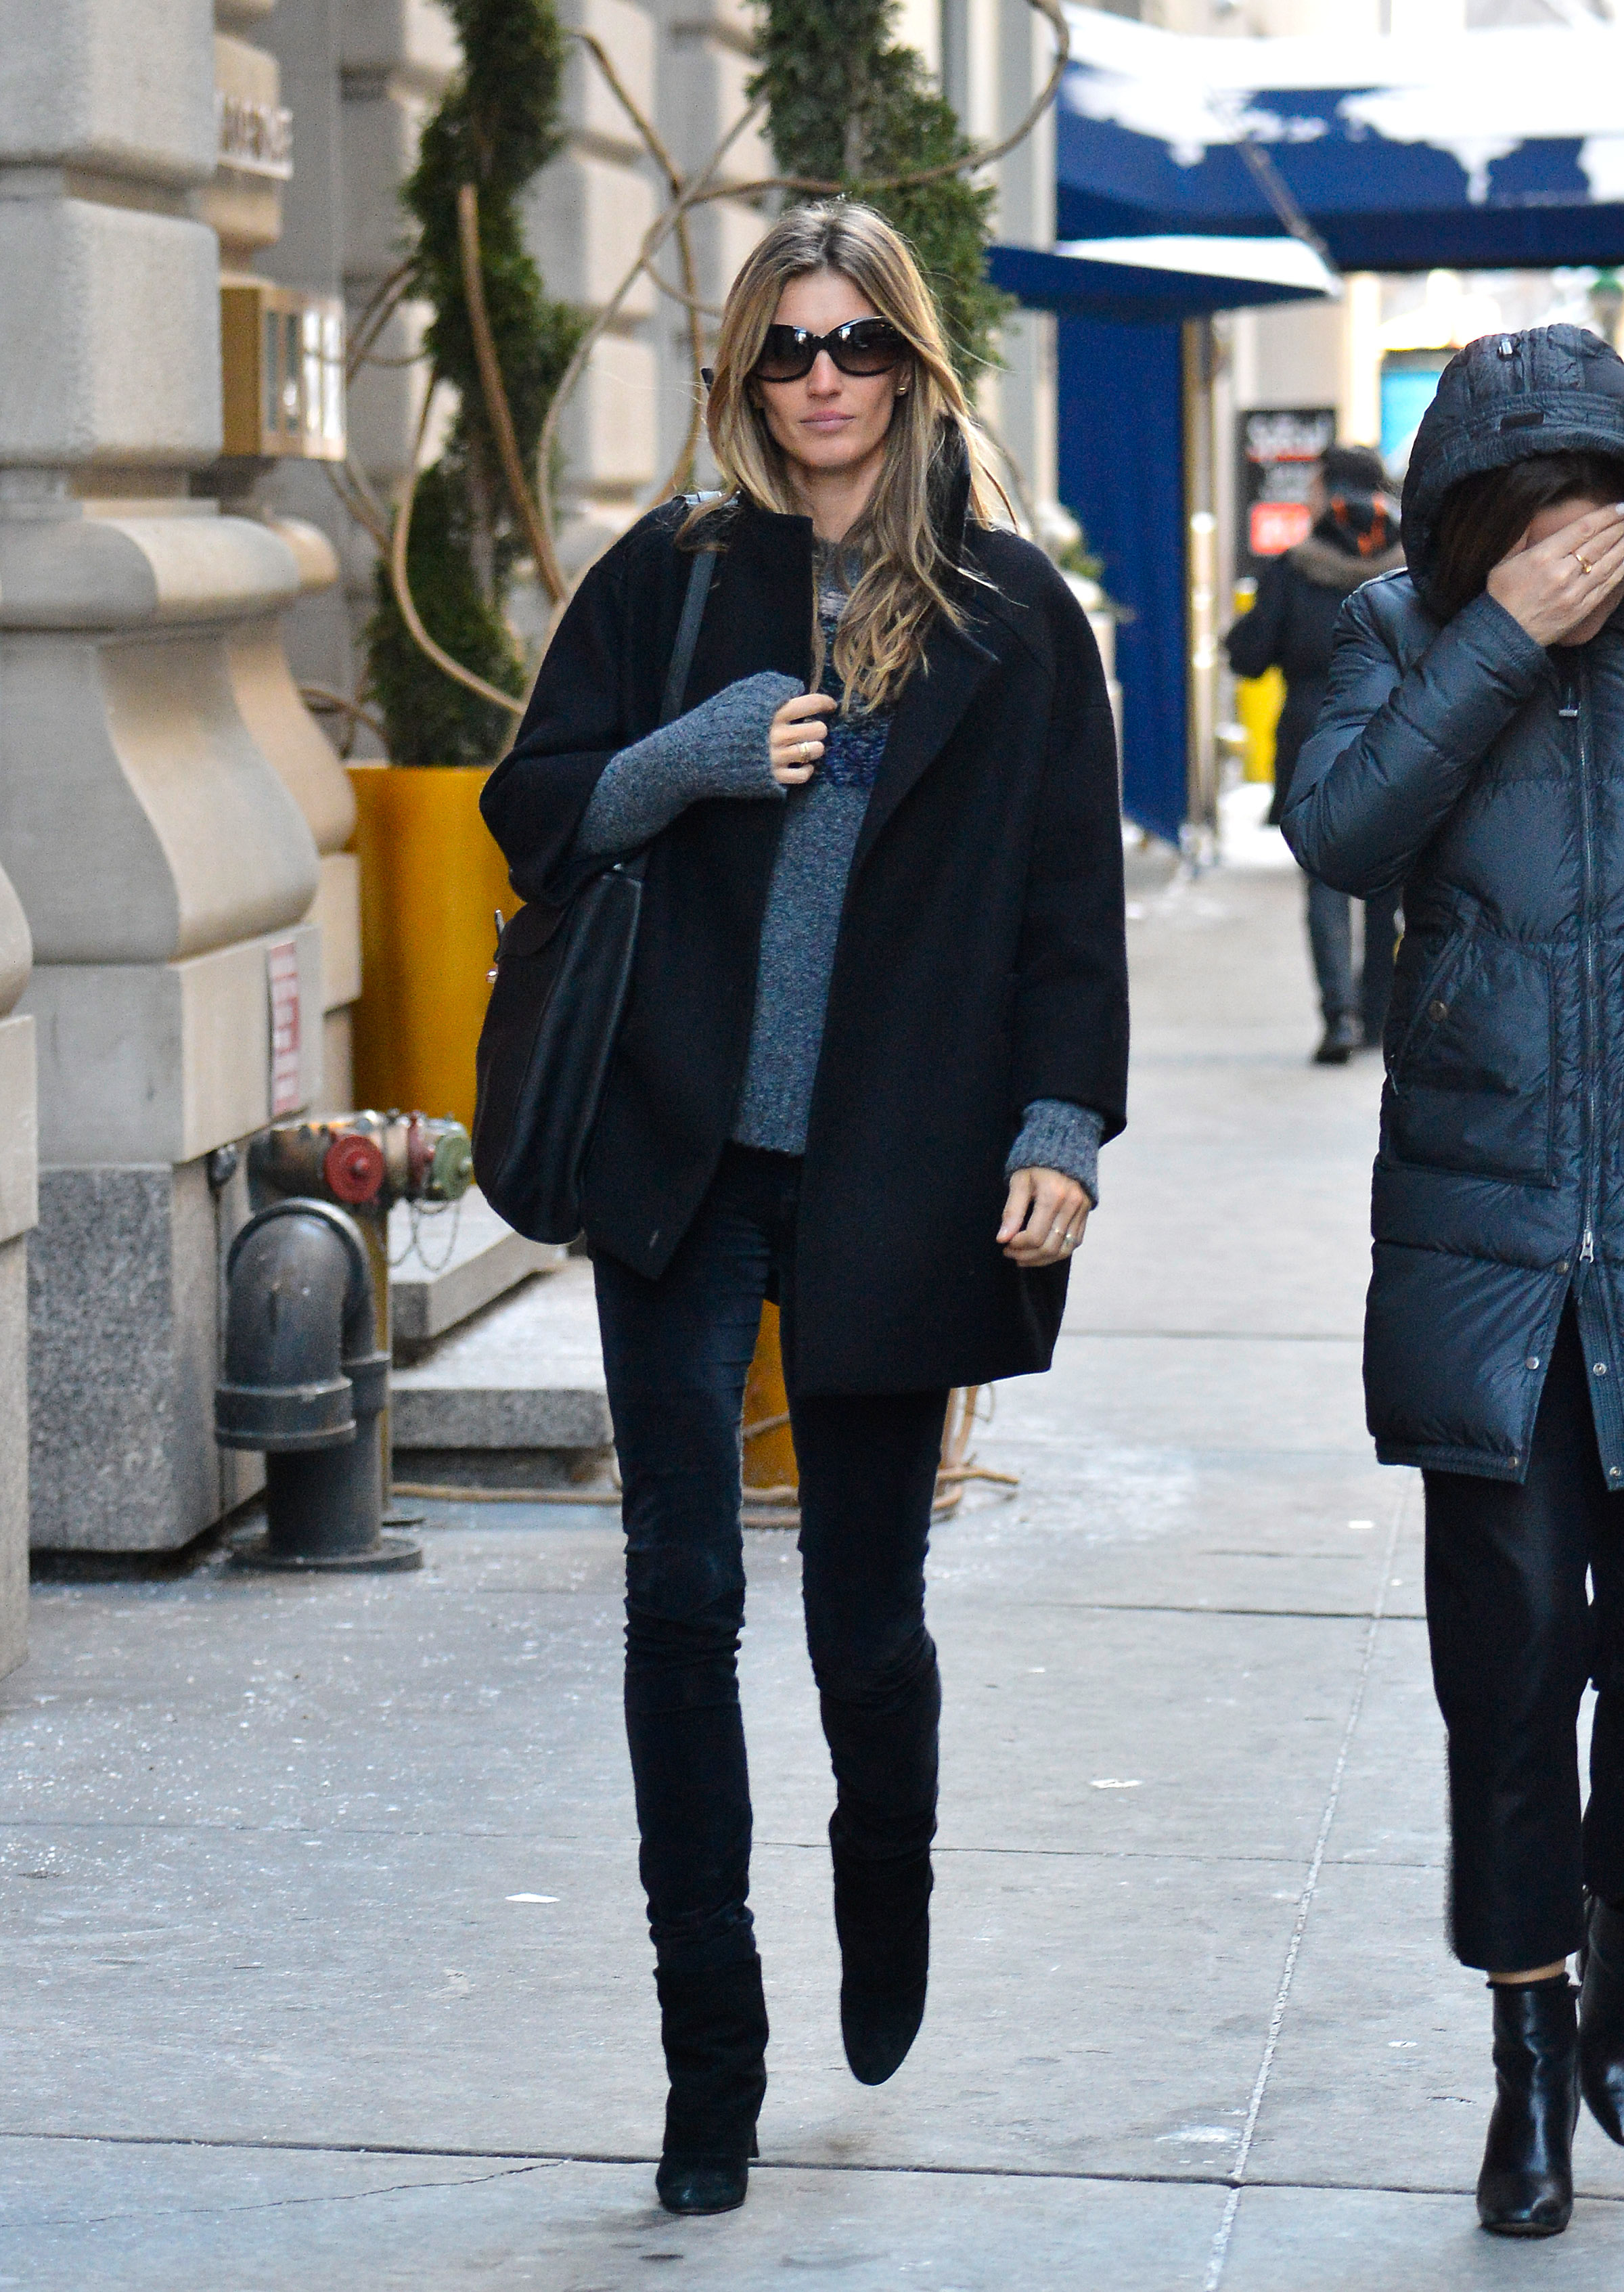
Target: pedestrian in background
876, 1034
1353, 538
1472, 749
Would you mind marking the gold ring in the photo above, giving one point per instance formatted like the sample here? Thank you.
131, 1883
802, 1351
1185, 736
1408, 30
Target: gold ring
1583, 563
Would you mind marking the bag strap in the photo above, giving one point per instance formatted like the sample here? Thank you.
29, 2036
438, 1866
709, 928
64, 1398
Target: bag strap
688, 627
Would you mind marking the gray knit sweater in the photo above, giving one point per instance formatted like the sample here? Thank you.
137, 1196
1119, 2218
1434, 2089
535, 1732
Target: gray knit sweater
720, 749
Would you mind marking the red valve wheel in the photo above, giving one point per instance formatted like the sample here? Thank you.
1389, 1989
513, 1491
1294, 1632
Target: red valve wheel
353, 1168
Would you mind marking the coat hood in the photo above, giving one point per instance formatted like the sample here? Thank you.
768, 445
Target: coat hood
1503, 399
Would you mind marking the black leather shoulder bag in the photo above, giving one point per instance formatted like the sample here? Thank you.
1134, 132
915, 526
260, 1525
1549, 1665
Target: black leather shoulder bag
559, 986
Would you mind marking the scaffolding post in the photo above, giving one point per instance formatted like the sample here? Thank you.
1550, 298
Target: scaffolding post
1202, 593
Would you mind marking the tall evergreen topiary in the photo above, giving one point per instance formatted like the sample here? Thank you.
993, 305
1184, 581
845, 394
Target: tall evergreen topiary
498, 123
848, 104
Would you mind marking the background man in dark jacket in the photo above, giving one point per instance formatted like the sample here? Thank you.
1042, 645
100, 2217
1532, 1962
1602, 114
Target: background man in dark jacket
1290, 627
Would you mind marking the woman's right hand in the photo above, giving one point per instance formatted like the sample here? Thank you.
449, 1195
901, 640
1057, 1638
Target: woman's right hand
794, 743
1544, 585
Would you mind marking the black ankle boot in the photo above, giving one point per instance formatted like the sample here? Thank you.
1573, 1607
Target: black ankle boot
883, 1917
1526, 2185
1601, 2018
714, 2027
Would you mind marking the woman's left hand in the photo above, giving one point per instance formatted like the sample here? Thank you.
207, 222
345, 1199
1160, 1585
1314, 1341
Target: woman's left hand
1044, 1218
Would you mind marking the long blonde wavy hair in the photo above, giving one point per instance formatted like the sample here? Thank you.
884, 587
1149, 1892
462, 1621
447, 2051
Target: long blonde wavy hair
908, 578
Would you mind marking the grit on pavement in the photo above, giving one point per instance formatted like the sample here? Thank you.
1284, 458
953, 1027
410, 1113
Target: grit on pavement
324, 1955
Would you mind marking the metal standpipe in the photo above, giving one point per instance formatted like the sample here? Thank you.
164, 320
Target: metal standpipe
305, 1383
365, 1163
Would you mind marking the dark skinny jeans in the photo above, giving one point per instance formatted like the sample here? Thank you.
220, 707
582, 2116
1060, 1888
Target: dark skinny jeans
676, 1352
1514, 1640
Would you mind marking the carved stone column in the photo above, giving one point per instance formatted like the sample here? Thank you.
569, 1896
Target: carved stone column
165, 871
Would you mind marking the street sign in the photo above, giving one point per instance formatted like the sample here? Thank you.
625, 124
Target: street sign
1277, 450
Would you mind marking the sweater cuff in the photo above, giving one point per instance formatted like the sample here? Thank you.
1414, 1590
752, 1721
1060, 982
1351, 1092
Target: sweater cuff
1057, 1135
717, 749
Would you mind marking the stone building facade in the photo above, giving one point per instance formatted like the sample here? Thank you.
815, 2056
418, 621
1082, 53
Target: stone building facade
167, 805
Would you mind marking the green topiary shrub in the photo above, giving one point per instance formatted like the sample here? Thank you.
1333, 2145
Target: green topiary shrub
848, 104
498, 123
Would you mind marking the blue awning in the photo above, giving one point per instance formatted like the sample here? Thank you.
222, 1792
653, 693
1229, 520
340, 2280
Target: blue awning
1489, 150
1150, 281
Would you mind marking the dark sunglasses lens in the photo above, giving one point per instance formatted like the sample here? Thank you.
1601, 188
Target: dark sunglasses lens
868, 346
786, 355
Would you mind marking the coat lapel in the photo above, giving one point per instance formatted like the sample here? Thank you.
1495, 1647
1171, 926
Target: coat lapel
759, 614
933, 700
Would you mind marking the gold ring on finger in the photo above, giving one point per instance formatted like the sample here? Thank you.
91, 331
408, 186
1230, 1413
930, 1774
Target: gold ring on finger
1583, 563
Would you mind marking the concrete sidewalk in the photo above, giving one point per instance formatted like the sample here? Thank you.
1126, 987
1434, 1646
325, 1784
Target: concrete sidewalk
324, 1954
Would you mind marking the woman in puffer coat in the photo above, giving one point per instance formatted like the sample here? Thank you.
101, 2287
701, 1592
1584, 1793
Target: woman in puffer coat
1470, 751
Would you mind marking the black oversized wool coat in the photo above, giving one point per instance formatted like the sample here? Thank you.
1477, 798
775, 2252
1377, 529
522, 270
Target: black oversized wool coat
980, 963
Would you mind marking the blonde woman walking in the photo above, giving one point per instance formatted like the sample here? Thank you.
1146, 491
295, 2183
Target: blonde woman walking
875, 1035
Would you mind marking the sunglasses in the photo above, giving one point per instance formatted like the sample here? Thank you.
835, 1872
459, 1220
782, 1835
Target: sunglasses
861, 346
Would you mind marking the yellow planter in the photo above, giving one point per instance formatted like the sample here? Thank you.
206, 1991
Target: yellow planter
430, 881
769, 1447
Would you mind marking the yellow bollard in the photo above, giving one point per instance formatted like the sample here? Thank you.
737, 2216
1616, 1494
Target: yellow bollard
1258, 701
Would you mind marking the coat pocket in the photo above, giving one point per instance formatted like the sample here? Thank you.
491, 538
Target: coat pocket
1470, 1084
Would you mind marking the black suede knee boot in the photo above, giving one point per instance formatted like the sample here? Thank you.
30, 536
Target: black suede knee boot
714, 2028
883, 1917
1526, 2184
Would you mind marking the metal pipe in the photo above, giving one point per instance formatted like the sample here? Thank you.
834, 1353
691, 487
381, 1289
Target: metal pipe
305, 1383
368, 1162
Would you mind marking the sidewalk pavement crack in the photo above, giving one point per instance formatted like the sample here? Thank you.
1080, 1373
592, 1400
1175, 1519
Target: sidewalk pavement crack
1226, 2226
284, 2204
1270, 1615
518, 2162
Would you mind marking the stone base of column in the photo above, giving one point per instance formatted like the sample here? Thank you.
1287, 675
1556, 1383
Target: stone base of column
124, 1274
19, 1128
14, 1452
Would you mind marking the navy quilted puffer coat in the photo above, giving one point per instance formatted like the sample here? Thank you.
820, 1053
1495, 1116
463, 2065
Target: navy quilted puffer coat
1486, 774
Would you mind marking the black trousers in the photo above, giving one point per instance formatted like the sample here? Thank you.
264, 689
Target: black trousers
1514, 1640
676, 1352
1331, 939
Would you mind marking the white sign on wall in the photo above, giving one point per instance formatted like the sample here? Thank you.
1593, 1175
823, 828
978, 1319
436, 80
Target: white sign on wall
282, 977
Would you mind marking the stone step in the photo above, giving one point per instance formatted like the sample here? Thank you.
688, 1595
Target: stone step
447, 1265
514, 1397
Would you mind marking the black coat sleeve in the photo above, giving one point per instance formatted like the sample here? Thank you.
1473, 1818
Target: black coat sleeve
1394, 748
1070, 1016
1254, 643
576, 722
